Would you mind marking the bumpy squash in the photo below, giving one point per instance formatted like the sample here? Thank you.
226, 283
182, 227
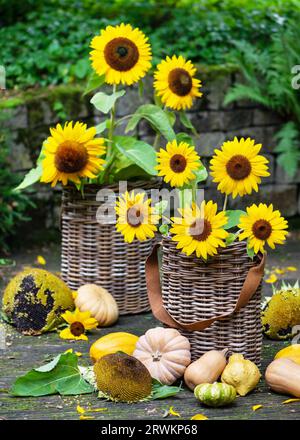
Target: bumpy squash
99, 302
165, 353
283, 376
291, 352
112, 343
206, 369
216, 394
241, 373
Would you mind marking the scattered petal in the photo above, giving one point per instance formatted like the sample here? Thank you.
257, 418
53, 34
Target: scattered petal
86, 417
279, 271
291, 268
199, 417
41, 260
256, 407
78, 353
96, 410
80, 410
172, 412
290, 401
272, 279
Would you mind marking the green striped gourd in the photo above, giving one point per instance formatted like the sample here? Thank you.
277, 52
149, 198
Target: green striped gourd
216, 394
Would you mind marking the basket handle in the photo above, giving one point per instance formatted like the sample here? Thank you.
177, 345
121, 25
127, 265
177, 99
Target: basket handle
251, 283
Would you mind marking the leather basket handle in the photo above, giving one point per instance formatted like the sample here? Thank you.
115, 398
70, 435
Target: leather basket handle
251, 283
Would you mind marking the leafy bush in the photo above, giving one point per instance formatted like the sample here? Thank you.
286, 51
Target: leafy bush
268, 81
13, 205
47, 42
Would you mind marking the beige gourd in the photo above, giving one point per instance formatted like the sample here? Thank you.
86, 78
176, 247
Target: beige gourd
164, 352
283, 376
99, 302
241, 373
206, 369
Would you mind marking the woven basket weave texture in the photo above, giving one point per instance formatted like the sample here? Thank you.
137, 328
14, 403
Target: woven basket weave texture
193, 290
96, 253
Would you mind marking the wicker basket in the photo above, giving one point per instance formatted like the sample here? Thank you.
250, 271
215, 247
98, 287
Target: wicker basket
95, 253
215, 304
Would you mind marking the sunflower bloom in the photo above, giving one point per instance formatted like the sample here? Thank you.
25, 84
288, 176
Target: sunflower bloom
200, 230
175, 83
136, 218
262, 225
121, 53
177, 163
79, 323
237, 167
71, 153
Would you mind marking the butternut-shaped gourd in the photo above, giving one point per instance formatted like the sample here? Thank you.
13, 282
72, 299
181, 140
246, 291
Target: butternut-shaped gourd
216, 394
291, 352
99, 302
283, 376
165, 353
112, 343
206, 369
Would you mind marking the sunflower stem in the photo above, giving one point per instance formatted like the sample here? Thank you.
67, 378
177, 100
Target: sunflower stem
110, 153
225, 202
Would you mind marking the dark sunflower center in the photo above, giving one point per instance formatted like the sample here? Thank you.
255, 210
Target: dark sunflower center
178, 163
76, 328
180, 82
262, 229
121, 54
238, 167
134, 216
200, 230
70, 157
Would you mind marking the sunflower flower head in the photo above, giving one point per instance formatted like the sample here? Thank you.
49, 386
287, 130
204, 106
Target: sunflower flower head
237, 167
175, 83
261, 225
121, 53
200, 230
79, 323
136, 218
70, 153
177, 163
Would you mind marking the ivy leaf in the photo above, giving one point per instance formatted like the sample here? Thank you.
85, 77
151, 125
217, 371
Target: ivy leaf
61, 376
141, 153
94, 82
157, 118
104, 102
160, 391
31, 177
186, 122
233, 218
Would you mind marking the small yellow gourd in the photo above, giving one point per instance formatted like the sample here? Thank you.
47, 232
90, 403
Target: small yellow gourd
112, 343
241, 373
291, 352
283, 376
207, 369
99, 302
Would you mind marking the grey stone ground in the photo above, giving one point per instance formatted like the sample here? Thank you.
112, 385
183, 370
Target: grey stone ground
22, 353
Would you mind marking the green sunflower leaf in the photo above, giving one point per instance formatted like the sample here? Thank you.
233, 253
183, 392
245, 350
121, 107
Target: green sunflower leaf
201, 174
164, 229
104, 102
94, 82
33, 176
157, 118
160, 391
139, 152
250, 252
233, 218
186, 122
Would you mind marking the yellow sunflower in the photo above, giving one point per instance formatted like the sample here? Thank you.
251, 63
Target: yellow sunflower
200, 229
72, 152
262, 225
78, 322
175, 83
121, 53
177, 163
136, 218
238, 167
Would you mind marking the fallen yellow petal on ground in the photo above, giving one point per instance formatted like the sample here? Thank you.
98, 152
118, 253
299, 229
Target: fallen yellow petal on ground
256, 407
199, 417
96, 410
291, 268
272, 279
172, 412
86, 417
41, 260
290, 401
279, 271
80, 410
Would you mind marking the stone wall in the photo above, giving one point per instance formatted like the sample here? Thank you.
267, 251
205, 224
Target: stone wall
29, 126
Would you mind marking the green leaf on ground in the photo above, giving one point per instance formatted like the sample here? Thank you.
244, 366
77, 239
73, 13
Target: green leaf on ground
60, 376
160, 391
157, 117
233, 218
104, 103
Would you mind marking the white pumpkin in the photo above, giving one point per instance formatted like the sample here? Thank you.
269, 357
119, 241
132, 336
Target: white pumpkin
99, 302
165, 353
